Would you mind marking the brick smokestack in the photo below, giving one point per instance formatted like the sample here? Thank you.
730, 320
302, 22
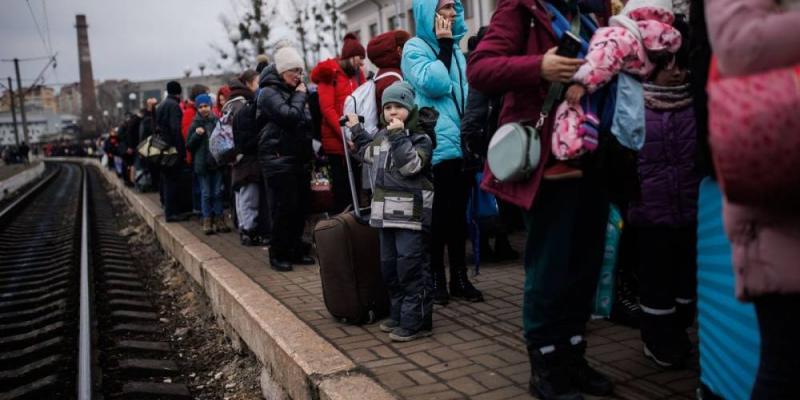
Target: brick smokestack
88, 98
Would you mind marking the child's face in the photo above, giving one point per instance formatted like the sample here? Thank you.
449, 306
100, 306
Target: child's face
671, 76
393, 111
204, 109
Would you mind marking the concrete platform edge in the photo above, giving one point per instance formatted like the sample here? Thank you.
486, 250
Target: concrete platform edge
305, 364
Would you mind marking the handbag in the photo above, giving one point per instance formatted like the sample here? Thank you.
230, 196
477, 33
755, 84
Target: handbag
516, 149
754, 133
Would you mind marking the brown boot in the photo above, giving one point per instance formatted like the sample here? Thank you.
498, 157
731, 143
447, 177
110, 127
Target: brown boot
221, 224
208, 226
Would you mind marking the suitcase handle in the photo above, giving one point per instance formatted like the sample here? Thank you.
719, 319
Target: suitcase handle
356, 208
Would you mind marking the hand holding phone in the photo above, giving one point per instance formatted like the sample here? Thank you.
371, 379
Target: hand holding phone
570, 45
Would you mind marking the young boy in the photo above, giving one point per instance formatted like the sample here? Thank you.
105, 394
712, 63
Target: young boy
399, 158
205, 167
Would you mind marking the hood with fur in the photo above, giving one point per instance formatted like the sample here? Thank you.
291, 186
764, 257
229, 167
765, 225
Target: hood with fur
325, 72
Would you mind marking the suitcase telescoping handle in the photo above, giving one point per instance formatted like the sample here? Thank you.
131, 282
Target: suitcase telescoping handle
350, 178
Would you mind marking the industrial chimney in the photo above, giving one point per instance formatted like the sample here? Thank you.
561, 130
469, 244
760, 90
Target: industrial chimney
88, 98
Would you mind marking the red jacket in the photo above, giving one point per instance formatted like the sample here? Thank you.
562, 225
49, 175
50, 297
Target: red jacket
189, 111
382, 51
333, 87
508, 61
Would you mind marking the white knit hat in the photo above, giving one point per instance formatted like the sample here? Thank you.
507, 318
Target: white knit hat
287, 58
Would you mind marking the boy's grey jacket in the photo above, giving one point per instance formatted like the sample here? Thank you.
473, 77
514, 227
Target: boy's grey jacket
400, 172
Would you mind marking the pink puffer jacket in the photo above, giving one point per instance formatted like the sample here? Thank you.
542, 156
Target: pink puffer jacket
750, 36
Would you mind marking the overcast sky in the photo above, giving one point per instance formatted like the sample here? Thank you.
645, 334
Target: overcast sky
129, 39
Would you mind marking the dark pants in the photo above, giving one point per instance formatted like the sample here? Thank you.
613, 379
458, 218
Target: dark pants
291, 194
563, 252
449, 225
175, 181
779, 367
406, 272
340, 182
667, 281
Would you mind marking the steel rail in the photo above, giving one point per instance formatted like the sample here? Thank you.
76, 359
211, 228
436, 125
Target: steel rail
85, 334
11, 208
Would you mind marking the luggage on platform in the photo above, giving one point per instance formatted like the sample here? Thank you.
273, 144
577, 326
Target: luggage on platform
348, 250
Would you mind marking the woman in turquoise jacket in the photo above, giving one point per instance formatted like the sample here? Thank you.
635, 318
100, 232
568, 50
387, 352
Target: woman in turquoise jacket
435, 66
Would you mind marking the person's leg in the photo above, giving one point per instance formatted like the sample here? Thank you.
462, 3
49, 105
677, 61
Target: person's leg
390, 279
301, 204
564, 249
217, 200
657, 290
460, 286
779, 366
170, 184
205, 182
439, 230
247, 206
416, 318
284, 195
196, 194
686, 272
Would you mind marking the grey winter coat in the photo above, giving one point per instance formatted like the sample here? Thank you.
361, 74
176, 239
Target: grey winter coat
400, 173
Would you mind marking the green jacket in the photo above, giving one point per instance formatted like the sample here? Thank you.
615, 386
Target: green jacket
202, 160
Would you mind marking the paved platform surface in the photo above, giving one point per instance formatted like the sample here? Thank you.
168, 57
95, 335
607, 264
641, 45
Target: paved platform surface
7, 171
476, 350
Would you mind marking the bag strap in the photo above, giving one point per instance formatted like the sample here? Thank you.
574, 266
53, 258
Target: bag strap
388, 74
556, 88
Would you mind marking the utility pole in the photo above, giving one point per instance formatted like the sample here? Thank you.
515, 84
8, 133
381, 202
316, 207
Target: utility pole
21, 102
13, 111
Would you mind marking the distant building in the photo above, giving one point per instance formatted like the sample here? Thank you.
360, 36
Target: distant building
41, 124
369, 18
69, 99
37, 98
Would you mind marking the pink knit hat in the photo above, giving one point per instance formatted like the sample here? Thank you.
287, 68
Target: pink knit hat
443, 3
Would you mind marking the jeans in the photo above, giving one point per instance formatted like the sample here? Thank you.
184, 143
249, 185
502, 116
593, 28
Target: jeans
211, 193
247, 206
406, 272
563, 253
197, 196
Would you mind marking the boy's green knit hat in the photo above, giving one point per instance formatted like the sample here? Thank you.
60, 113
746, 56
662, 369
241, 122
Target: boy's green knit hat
399, 92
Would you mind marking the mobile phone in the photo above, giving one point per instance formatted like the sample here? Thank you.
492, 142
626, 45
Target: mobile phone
569, 46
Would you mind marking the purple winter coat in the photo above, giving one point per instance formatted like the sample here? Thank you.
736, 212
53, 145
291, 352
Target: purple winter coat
667, 173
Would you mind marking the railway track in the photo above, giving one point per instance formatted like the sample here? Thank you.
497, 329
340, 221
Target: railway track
76, 320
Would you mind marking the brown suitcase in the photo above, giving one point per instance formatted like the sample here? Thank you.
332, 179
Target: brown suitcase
348, 250
349, 261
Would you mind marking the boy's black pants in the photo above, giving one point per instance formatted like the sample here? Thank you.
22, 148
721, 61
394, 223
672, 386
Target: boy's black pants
406, 272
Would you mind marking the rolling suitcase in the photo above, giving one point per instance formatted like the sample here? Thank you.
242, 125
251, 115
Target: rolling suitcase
348, 250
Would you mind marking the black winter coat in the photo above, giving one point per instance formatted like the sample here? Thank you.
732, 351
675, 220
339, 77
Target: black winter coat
246, 170
147, 125
478, 126
168, 120
284, 143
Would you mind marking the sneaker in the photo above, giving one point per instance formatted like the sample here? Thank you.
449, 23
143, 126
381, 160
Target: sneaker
407, 335
388, 325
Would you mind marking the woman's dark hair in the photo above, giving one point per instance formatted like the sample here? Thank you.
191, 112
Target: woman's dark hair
472, 42
247, 76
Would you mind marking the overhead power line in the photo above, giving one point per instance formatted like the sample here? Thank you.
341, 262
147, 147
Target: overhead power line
36, 22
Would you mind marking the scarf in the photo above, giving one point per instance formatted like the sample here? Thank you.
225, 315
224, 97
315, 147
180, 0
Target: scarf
667, 97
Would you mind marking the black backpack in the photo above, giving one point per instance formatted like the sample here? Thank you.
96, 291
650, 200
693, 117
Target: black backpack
245, 125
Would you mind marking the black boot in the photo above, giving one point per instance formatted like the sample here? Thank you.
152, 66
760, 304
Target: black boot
550, 378
663, 342
279, 261
460, 286
584, 377
440, 295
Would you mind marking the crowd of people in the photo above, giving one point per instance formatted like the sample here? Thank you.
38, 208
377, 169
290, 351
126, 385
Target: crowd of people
16, 154
629, 129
